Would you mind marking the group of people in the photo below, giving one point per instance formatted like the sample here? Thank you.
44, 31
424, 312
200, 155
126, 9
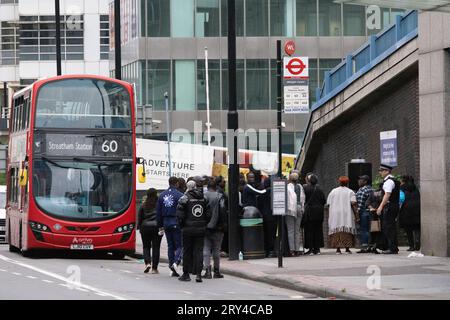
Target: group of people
304, 215
375, 213
193, 217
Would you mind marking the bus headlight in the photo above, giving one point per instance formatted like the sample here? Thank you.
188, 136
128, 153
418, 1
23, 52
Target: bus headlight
37, 226
125, 228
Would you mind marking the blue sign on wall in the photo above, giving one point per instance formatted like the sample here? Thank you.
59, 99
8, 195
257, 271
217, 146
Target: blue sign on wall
388, 148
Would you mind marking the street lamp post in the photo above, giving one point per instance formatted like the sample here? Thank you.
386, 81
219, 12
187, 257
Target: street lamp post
117, 40
208, 121
58, 38
233, 166
166, 98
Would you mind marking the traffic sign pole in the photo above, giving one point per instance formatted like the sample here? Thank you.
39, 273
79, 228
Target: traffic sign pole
279, 118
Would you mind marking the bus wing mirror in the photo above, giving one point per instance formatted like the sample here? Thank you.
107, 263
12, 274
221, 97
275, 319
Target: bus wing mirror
141, 169
23, 177
141, 173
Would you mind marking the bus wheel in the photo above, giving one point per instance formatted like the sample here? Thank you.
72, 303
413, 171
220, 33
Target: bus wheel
25, 253
118, 255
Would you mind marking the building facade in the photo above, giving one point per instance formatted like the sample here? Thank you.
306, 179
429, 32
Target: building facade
163, 50
28, 44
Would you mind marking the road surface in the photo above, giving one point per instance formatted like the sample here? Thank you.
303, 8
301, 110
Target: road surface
66, 276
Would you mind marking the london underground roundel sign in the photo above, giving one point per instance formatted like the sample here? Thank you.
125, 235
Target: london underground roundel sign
296, 67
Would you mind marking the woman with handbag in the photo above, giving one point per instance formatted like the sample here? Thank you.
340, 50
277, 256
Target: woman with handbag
312, 220
372, 204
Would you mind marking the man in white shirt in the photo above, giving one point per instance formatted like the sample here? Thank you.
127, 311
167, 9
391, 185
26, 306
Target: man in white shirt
389, 208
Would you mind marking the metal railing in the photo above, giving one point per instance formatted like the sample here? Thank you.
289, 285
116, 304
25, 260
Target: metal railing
376, 49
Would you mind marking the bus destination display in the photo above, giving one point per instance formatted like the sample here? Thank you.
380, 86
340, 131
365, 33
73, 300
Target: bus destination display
77, 145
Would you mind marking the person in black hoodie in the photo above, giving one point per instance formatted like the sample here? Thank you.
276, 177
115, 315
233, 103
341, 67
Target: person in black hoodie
214, 230
193, 215
148, 226
409, 216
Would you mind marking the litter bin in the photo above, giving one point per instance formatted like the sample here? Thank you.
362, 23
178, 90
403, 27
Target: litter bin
252, 233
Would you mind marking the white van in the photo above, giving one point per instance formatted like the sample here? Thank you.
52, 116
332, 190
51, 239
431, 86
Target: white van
2, 213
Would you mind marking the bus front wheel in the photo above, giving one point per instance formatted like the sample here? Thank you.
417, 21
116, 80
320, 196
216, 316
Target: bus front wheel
118, 255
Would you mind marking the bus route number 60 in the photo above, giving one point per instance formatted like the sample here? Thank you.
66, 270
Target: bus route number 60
109, 146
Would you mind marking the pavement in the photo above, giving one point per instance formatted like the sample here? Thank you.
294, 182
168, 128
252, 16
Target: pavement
347, 276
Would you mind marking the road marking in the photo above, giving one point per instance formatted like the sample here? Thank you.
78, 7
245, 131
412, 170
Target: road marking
48, 281
61, 278
297, 297
100, 294
63, 285
126, 271
81, 289
109, 270
2, 270
17, 273
31, 277
187, 292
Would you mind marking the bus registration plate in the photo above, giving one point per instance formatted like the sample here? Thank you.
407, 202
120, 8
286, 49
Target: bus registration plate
82, 247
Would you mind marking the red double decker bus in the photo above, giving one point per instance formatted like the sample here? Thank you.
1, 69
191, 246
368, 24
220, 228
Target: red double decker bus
72, 166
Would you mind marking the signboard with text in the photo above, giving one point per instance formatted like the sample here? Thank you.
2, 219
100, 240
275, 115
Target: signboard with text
296, 84
187, 160
279, 197
388, 148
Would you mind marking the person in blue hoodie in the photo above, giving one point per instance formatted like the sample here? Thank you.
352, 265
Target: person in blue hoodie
166, 211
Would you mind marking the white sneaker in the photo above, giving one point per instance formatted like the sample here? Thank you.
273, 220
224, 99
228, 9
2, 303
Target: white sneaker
176, 268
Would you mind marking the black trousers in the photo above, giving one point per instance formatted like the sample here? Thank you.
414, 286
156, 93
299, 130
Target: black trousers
270, 233
389, 228
193, 253
151, 243
225, 241
314, 235
413, 234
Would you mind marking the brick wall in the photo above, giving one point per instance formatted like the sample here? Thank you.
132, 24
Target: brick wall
356, 134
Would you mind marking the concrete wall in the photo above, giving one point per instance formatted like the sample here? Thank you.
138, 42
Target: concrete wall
434, 109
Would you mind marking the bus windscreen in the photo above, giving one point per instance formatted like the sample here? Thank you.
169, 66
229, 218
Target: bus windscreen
83, 103
81, 190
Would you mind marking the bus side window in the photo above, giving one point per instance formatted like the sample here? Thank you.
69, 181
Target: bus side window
24, 122
13, 115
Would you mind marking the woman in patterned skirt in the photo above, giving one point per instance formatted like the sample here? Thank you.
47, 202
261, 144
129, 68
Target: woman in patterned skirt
342, 216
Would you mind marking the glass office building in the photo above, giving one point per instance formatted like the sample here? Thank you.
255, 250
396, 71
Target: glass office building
163, 51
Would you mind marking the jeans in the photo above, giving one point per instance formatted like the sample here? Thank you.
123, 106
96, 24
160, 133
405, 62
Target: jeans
151, 242
364, 228
174, 245
213, 241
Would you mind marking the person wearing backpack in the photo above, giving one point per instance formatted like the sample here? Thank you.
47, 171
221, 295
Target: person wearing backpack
148, 226
214, 230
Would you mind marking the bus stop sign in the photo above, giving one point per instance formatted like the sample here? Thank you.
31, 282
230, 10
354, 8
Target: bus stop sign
289, 47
